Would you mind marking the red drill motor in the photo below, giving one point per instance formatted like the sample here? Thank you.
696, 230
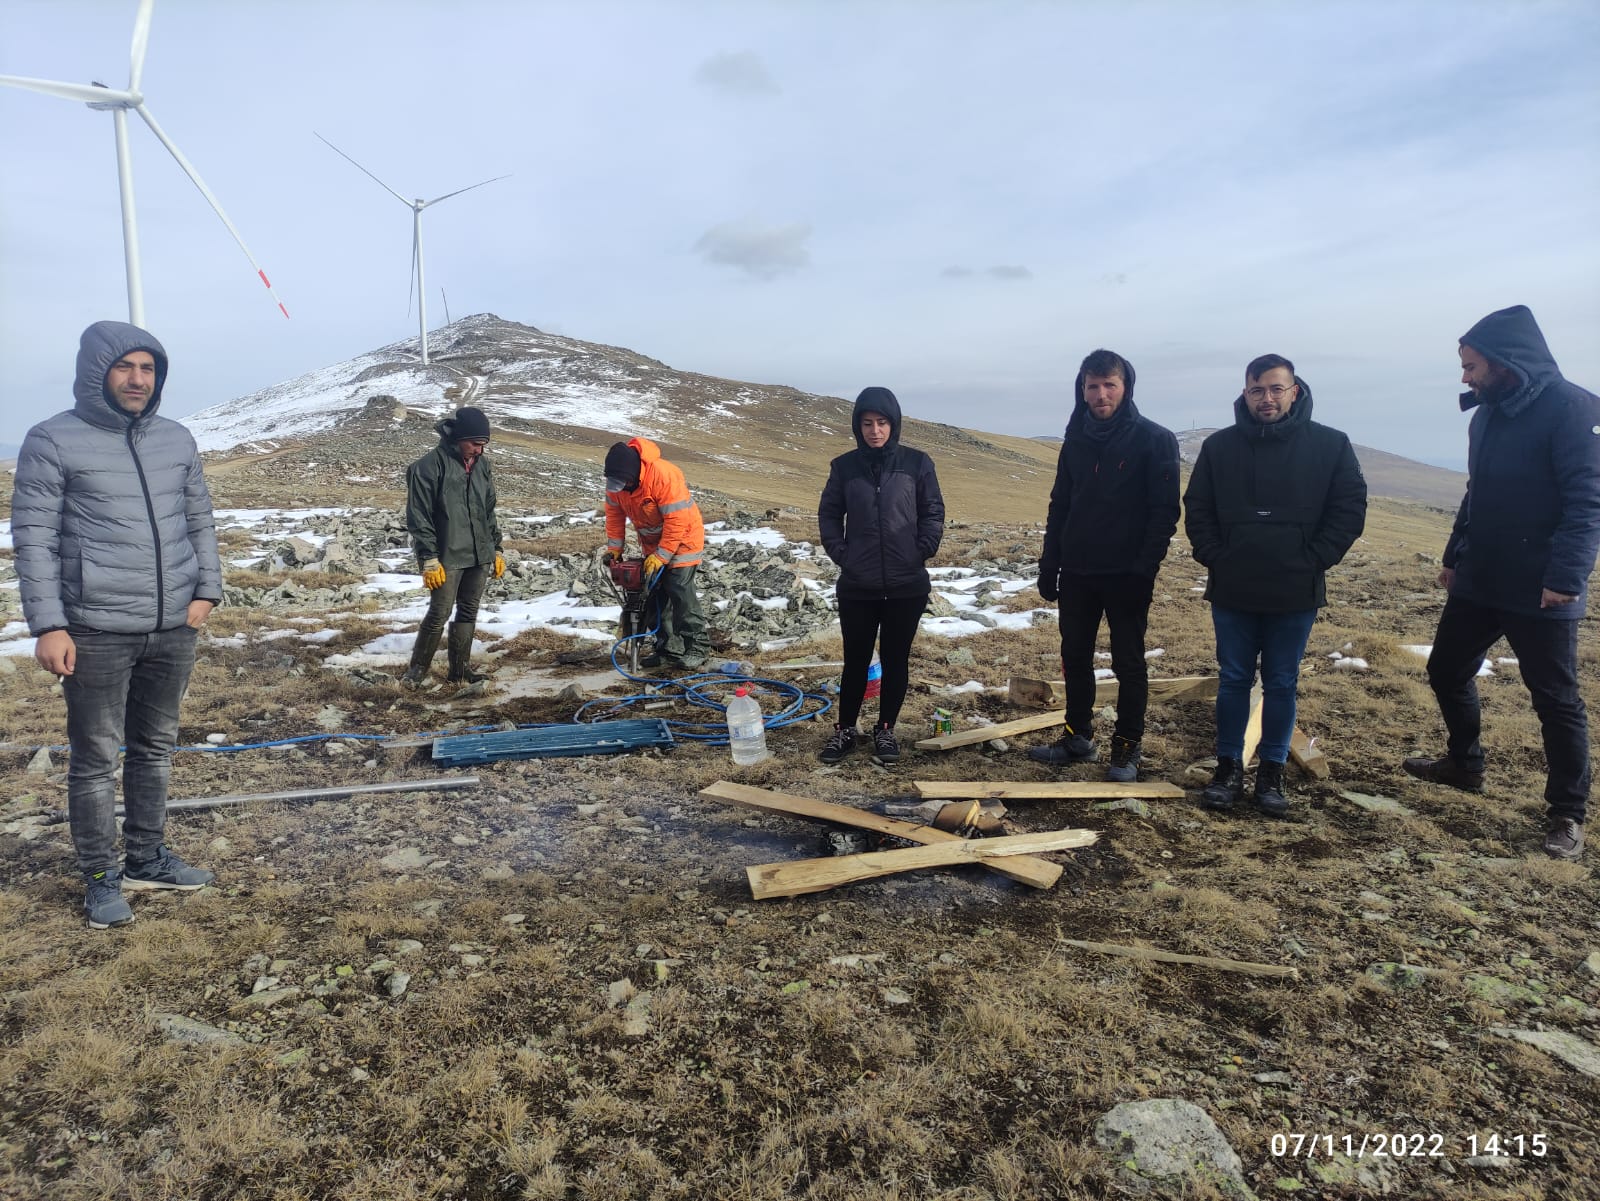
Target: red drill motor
628, 581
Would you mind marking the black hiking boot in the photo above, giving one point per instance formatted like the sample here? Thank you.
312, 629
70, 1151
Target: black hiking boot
1444, 770
885, 750
1565, 839
1070, 748
459, 647
1125, 756
1269, 789
1227, 785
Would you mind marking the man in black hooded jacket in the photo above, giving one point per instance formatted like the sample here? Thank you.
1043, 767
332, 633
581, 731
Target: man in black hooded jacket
1112, 514
1275, 500
1518, 561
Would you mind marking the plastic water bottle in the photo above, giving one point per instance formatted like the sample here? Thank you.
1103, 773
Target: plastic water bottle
874, 678
747, 731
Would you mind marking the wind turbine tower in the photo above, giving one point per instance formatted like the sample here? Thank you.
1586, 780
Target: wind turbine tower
118, 103
416, 207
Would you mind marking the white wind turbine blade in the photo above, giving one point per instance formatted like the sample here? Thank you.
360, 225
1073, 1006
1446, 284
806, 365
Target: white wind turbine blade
141, 42
458, 191
87, 93
363, 171
194, 176
411, 283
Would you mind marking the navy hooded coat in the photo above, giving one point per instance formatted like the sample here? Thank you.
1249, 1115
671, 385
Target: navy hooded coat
1531, 517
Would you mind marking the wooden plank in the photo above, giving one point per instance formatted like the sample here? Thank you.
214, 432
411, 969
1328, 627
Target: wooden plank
1048, 694
1308, 756
801, 876
1005, 729
1252, 728
1039, 790
1040, 873
1149, 953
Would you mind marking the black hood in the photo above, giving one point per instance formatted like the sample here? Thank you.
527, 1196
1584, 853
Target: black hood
101, 345
1083, 421
1512, 338
877, 400
1295, 419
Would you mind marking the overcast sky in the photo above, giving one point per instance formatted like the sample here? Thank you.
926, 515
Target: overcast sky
954, 200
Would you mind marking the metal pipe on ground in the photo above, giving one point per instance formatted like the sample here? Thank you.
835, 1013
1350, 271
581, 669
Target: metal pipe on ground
437, 784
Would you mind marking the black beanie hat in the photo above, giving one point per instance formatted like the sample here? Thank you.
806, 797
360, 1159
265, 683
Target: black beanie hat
622, 467
469, 423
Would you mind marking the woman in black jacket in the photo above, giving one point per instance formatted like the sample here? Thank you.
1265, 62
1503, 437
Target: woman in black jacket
881, 518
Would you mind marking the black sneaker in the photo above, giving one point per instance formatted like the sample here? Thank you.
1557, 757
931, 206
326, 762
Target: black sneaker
840, 743
1227, 785
1068, 749
1269, 789
165, 870
1125, 756
103, 903
885, 750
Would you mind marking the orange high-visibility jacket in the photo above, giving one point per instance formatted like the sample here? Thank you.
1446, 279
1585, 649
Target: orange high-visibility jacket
662, 511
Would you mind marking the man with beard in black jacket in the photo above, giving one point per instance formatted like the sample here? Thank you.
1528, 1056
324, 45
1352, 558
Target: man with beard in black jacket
1275, 500
1113, 512
1518, 561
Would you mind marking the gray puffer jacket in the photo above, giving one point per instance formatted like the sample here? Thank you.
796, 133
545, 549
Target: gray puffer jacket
110, 514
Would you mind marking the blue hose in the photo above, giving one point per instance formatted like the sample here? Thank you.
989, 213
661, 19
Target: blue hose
696, 689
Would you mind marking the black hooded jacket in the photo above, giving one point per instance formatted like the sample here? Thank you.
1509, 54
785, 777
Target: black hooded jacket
1531, 517
881, 516
1270, 507
1114, 506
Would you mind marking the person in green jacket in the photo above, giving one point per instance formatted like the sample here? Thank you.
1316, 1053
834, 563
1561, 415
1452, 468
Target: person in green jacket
450, 513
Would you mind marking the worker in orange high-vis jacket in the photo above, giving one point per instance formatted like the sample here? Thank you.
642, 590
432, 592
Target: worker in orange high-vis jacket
644, 488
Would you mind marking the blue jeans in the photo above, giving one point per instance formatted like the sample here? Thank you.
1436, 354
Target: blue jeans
1278, 641
123, 688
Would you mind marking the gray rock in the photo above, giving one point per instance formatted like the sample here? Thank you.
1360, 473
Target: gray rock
331, 718
40, 764
1377, 804
960, 657
1129, 804
1575, 1052
1402, 976
636, 1017
573, 693
268, 998
397, 982
1591, 965
1170, 1146
179, 1029
406, 946
1273, 1078
408, 859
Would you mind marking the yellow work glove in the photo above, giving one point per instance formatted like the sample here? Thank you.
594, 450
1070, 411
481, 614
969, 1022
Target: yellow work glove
499, 565
432, 574
653, 563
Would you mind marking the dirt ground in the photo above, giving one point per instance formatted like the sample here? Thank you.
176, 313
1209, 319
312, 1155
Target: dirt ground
556, 985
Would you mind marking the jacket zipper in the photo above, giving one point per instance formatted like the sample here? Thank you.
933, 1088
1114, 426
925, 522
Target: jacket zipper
155, 531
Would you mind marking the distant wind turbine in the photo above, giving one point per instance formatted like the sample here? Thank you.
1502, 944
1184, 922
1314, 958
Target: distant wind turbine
101, 98
416, 207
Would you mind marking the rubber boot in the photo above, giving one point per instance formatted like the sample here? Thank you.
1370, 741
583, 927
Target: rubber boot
421, 659
460, 648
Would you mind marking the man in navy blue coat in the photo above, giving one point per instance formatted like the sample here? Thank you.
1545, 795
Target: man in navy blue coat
1518, 561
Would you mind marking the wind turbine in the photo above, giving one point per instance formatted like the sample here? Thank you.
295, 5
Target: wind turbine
416, 207
103, 99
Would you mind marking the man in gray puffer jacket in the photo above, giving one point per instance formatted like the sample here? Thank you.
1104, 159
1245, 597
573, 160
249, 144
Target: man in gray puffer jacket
116, 551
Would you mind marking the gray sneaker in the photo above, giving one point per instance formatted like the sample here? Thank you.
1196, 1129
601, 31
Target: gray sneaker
165, 870
1565, 839
103, 902
1068, 749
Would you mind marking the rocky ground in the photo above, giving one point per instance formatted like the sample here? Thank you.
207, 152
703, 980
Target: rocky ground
556, 984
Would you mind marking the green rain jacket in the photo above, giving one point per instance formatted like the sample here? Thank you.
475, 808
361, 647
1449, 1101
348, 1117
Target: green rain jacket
449, 511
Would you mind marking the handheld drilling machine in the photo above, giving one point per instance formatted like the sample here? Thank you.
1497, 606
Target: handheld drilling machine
633, 589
